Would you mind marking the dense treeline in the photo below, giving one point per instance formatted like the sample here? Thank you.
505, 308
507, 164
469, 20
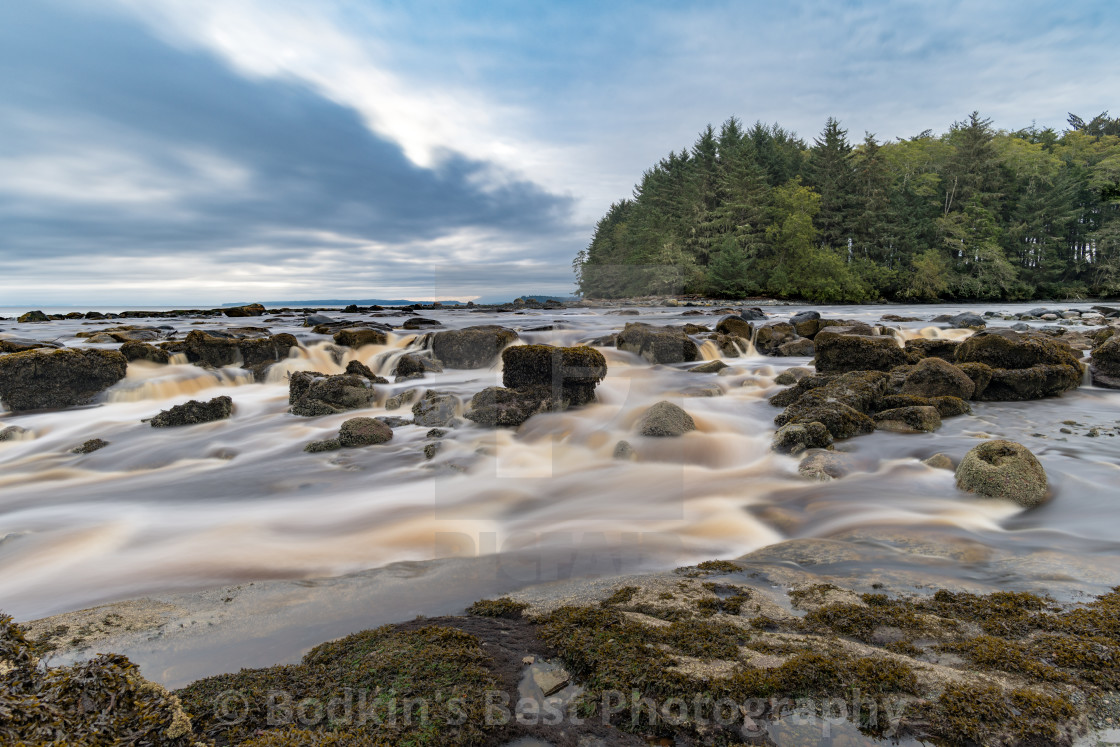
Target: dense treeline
973, 214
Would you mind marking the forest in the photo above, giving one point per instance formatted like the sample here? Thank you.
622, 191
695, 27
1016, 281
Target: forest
972, 214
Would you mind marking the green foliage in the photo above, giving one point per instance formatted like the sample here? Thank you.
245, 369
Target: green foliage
973, 214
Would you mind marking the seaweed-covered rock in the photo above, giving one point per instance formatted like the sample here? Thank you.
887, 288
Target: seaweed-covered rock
253, 309
232, 349
842, 421
909, 420
948, 407
735, 326
665, 419
920, 348
981, 375
356, 337
37, 379
1003, 469
838, 352
435, 409
471, 347
1106, 362
572, 372
358, 368
657, 344
90, 446
194, 413
311, 393
1005, 348
1036, 382
142, 351
33, 316
364, 432
797, 437
329, 444
770, 336
499, 407
411, 366
934, 377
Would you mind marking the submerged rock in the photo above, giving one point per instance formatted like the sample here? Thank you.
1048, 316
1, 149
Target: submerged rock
1003, 469
435, 409
311, 393
822, 466
471, 347
12, 433
623, 450
194, 412
798, 437
657, 344
939, 460
665, 419
90, 446
38, 379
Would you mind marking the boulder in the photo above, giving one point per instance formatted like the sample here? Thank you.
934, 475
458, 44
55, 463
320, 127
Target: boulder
736, 327
357, 337
253, 309
802, 347
142, 351
33, 316
471, 347
981, 375
909, 420
571, 373
499, 407
357, 368
934, 377
1003, 469
770, 336
623, 450
364, 432
921, 348
752, 314
797, 437
967, 320
822, 466
948, 407
314, 320
311, 393
1105, 363
839, 352
18, 345
1005, 348
806, 323
194, 412
710, 367
435, 409
37, 379
413, 366
1036, 382
665, 419
791, 376
939, 461
419, 322
232, 348
657, 344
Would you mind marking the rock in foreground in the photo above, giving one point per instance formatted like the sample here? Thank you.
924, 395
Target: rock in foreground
194, 413
1003, 469
665, 420
38, 379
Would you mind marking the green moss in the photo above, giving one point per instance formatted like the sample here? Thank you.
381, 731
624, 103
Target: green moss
503, 607
991, 652
1003, 613
708, 568
860, 621
814, 594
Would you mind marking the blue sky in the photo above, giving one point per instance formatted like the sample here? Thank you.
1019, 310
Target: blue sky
206, 151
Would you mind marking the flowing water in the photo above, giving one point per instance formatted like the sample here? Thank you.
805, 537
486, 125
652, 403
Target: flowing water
239, 500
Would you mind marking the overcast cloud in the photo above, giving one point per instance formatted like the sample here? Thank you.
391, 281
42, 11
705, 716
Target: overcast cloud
203, 151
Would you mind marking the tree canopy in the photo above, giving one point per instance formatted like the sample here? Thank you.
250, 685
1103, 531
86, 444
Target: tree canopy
973, 214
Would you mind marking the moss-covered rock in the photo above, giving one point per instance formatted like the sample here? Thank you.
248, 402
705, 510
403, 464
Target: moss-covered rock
657, 344
312, 394
934, 377
33, 316
735, 326
840, 353
981, 375
801, 347
1105, 360
411, 365
471, 347
797, 437
357, 432
665, 419
253, 309
1003, 469
949, 407
247, 348
194, 412
921, 348
500, 407
909, 420
357, 368
841, 420
142, 351
772, 335
710, 367
356, 337
573, 372
90, 446
38, 379
1005, 348
1036, 382
435, 409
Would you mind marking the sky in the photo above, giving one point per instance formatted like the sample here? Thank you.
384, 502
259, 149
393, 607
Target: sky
198, 152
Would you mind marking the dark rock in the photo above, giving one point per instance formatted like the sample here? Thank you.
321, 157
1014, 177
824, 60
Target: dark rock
194, 413
364, 432
357, 368
658, 344
840, 353
314, 320
909, 420
1005, 348
19, 345
841, 403
411, 365
357, 337
934, 377
471, 347
400, 400
499, 407
330, 444
38, 379
394, 421
1003, 469
1105, 363
921, 348
770, 336
33, 316
1021, 327
253, 309
807, 323
435, 409
90, 446
142, 351
665, 419
1036, 382
311, 393
948, 407
797, 437
799, 348
710, 367
968, 320
981, 375
572, 372
221, 350
735, 326
823, 466
419, 322
752, 314
695, 329
432, 449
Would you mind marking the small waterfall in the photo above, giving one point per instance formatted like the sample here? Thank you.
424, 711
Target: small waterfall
173, 380
1086, 375
709, 351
